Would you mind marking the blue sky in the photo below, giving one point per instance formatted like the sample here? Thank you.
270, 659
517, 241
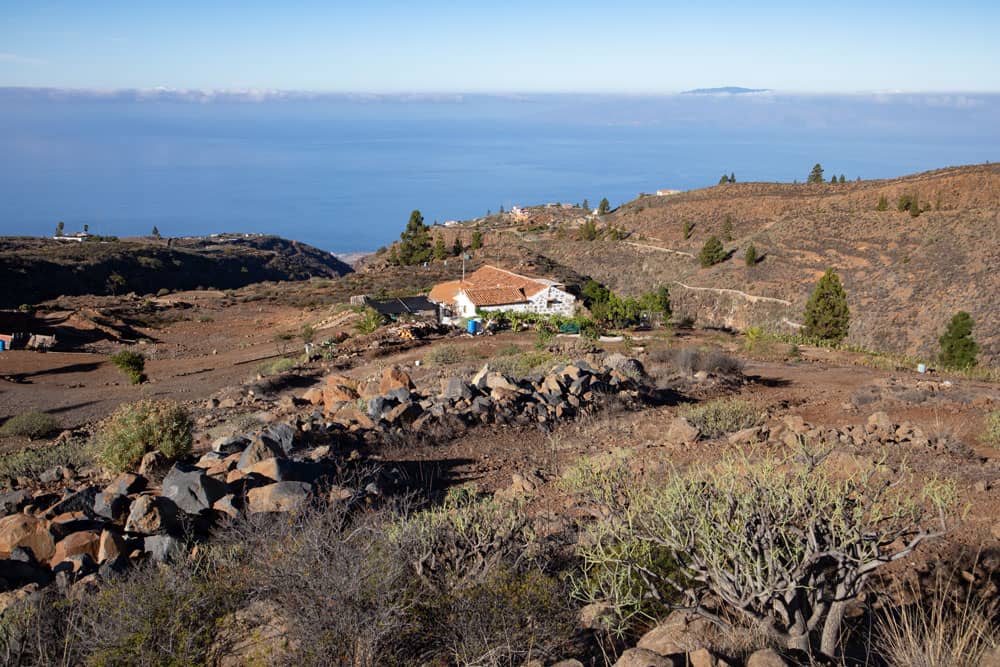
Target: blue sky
517, 46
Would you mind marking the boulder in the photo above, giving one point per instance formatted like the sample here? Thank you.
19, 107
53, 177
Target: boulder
261, 447
678, 633
74, 544
153, 465
110, 505
394, 378
455, 388
496, 381
126, 483
880, 424
479, 379
403, 413
162, 548
25, 530
278, 497
14, 501
766, 657
334, 394
227, 505
230, 444
640, 657
81, 501
109, 546
191, 489
627, 366
150, 515
286, 470
313, 396
595, 616
681, 431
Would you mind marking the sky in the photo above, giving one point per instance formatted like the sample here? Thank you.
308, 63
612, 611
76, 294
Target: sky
628, 46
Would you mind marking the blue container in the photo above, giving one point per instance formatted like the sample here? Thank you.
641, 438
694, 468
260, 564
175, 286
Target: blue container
2, 343
473, 327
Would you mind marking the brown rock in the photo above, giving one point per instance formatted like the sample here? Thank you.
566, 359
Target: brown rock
796, 424
334, 394
25, 530
278, 497
766, 658
640, 657
702, 658
681, 432
594, 616
255, 635
567, 663
313, 396
110, 546
394, 378
150, 515
748, 436
678, 633
226, 506
76, 544
879, 422
995, 531
153, 465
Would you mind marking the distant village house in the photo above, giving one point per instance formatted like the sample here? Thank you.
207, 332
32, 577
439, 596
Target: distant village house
494, 289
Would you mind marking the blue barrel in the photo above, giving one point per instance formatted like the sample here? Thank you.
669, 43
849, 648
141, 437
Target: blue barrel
473, 327
2, 344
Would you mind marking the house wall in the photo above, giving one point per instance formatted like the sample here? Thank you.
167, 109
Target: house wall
465, 308
553, 301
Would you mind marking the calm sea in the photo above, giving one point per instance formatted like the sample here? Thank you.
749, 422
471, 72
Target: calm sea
343, 172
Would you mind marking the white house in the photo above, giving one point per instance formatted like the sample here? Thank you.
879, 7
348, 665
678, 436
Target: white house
491, 288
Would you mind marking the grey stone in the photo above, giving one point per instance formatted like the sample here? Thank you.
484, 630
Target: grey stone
399, 394
110, 505
162, 548
230, 444
456, 388
126, 483
283, 435
13, 502
81, 501
191, 489
152, 514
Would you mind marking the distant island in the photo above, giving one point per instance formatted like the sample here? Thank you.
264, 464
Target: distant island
725, 90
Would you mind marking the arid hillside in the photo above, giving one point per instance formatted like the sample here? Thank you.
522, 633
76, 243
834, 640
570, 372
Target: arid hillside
905, 275
36, 269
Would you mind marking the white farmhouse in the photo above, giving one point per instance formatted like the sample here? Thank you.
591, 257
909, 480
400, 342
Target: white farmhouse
490, 288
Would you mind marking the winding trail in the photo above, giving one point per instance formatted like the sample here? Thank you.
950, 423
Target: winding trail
752, 298
658, 248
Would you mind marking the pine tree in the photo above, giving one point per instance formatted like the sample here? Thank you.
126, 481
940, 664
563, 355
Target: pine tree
477, 240
723, 180
156, 232
588, 232
712, 252
827, 316
440, 250
586, 205
833, 180
842, 179
86, 229
883, 203
456, 247
816, 175
915, 207
688, 228
501, 208
732, 177
60, 228
393, 256
415, 241
604, 207
751, 255
958, 349
727, 228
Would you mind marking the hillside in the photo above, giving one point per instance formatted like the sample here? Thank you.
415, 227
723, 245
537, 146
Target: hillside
35, 269
905, 276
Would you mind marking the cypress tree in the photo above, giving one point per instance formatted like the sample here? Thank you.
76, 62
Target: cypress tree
883, 204
751, 255
477, 240
727, 228
827, 316
712, 252
842, 179
833, 180
958, 349
603, 207
456, 248
732, 177
723, 180
688, 228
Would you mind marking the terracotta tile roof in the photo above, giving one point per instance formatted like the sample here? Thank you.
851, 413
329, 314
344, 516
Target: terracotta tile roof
493, 287
491, 276
494, 296
446, 292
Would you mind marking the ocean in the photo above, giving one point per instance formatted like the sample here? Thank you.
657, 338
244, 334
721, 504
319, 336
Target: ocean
343, 172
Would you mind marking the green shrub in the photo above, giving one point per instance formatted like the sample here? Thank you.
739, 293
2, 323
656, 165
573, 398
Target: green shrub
33, 461
525, 363
723, 415
31, 425
131, 363
757, 539
163, 291
712, 252
958, 349
276, 366
370, 321
992, 433
883, 203
137, 428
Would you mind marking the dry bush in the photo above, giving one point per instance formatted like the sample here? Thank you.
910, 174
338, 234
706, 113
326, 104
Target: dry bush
690, 360
991, 434
32, 462
946, 627
723, 415
144, 426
